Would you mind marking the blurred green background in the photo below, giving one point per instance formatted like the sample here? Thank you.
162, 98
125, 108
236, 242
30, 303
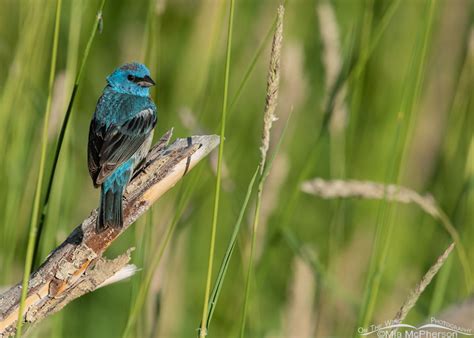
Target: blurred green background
404, 114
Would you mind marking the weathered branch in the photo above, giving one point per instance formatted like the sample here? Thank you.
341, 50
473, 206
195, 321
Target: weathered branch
77, 267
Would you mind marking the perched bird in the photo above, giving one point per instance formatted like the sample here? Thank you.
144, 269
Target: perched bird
120, 136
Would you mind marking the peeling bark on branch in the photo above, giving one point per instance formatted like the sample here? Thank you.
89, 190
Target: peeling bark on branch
77, 267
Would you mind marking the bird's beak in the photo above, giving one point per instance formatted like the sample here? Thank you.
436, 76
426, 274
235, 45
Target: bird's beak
146, 82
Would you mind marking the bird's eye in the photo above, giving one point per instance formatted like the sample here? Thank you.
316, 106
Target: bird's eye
131, 77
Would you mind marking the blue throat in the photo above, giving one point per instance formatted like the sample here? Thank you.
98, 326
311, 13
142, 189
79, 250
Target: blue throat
131, 90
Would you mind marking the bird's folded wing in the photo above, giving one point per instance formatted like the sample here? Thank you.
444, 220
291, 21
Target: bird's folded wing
110, 147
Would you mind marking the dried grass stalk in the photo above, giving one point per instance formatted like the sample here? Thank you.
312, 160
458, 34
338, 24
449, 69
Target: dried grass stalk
269, 117
273, 189
370, 190
273, 82
421, 286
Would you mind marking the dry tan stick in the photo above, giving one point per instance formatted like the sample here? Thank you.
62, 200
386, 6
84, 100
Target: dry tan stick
77, 267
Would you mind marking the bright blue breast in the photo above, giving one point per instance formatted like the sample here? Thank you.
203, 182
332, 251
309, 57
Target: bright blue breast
116, 108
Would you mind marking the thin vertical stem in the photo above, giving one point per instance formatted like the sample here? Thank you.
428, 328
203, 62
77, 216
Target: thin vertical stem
230, 249
203, 331
44, 207
252, 249
384, 231
39, 184
271, 100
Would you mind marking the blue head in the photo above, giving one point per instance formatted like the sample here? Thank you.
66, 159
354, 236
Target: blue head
131, 78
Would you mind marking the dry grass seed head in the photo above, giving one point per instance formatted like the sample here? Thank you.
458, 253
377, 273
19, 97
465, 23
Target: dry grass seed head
273, 81
369, 190
421, 286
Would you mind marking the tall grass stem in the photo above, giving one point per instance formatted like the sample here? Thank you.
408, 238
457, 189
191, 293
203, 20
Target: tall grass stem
384, 231
39, 184
230, 249
202, 331
271, 101
44, 207
347, 73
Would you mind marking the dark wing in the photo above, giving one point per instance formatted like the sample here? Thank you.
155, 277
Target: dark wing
112, 146
97, 132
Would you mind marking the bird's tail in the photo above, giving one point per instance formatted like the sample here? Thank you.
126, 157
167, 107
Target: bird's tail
110, 211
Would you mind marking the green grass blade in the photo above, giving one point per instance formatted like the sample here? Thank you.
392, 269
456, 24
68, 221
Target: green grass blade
348, 71
249, 70
256, 219
262, 178
442, 281
39, 184
202, 331
385, 229
58, 200
228, 254
224, 265
44, 207
441, 286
